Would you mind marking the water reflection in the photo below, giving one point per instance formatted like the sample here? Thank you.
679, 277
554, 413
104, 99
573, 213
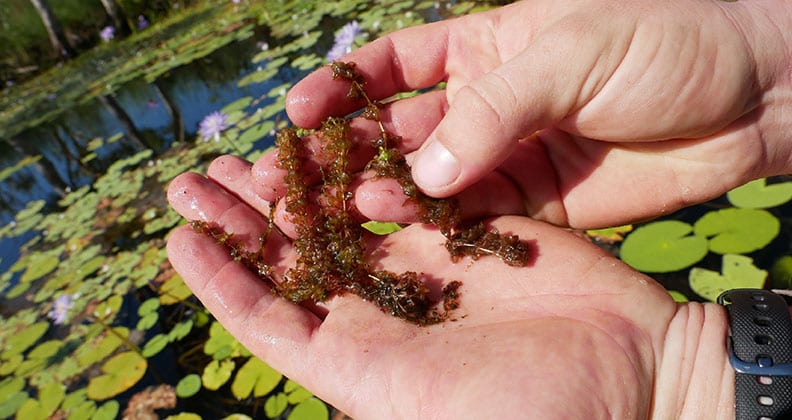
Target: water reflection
138, 116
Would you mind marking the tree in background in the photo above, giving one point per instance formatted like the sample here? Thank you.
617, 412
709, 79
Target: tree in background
56, 35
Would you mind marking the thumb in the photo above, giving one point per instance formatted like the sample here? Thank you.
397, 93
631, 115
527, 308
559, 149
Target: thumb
487, 117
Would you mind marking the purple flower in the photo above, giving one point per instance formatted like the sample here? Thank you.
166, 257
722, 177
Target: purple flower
107, 33
211, 126
344, 40
142, 23
60, 309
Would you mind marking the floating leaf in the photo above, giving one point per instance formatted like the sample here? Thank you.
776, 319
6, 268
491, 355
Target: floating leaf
217, 373
738, 272
237, 416
11, 402
155, 345
17, 290
21, 340
180, 330
221, 344
275, 405
107, 411
237, 105
738, 231
257, 377
610, 235
678, 296
663, 246
148, 321
121, 372
381, 228
174, 290
758, 195
310, 409
188, 386
295, 392
781, 273
109, 308
39, 267
96, 349
184, 416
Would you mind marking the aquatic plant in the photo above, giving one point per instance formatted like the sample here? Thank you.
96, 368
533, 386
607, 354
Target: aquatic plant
344, 38
212, 125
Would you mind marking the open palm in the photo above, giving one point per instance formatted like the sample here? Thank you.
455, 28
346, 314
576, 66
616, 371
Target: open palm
575, 334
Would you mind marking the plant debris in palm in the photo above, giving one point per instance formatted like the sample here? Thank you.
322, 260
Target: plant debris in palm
332, 256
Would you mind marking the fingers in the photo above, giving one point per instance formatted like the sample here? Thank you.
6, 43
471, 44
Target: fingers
537, 88
411, 119
402, 61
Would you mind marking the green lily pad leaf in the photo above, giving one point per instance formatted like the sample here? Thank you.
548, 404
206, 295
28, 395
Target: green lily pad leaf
217, 373
39, 267
275, 405
237, 105
107, 411
148, 321
8, 366
256, 132
121, 372
85, 410
17, 290
74, 399
738, 272
188, 386
97, 348
45, 350
758, 195
155, 345
295, 392
108, 308
221, 344
174, 290
678, 296
738, 231
781, 273
184, 416
22, 340
381, 228
51, 396
11, 403
237, 416
255, 377
663, 246
310, 409
180, 330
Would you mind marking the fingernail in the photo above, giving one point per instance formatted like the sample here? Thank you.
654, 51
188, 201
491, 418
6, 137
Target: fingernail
435, 167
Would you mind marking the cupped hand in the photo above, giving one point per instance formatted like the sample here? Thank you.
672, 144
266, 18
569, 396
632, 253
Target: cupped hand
574, 334
585, 113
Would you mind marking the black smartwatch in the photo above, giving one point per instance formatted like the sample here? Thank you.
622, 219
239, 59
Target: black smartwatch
760, 351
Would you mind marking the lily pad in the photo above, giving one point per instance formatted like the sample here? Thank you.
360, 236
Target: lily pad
610, 235
310, 409
174, 290
22, 340
188, 386
155, 345
255, 377
121, 372
781, 273
275, 405
758, 195
663, 246
39, 267
217, 373
738, 272
180, 330
738, 231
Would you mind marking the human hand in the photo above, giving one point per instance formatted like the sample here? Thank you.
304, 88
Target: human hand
575, 334
590, 113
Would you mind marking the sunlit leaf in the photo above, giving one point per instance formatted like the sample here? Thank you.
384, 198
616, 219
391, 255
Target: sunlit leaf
188, 386
121, 372
738, 272
781, 273
9, 365
174, 290
237, 416
381, 228
310, 409
237, 105
255, 377
11, 402
155, 345
107, 411
22, 340
217, 373
663, 246
39, 267
758, 195
275, 405
737, 231
184, 416
150, 305
108, 308
610, 235
295, 392
180, 330
96, 349
148, 321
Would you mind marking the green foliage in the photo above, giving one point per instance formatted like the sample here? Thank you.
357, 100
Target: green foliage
381, 228
188, 386
758, 195
781, 273
663, 247
120, 373
737, 231
217, 373
738, 272
255, 377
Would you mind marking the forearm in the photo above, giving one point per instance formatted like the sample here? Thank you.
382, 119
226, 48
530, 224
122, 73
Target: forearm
765, 26
694, 378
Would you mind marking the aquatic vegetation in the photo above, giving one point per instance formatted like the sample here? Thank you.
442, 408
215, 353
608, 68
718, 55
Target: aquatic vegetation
344, 39
212, 125
107, 33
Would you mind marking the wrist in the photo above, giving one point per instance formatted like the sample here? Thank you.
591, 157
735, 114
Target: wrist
694, 378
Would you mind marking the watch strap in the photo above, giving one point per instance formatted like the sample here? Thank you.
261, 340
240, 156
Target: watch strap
760, 347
